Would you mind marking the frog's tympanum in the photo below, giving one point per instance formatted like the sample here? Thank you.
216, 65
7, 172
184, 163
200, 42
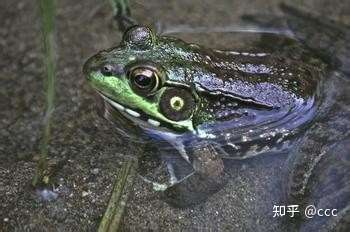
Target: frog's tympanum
238, 104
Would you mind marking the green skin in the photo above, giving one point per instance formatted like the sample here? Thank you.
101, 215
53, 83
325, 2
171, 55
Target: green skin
254, 82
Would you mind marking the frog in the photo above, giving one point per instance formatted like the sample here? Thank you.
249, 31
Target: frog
205, 103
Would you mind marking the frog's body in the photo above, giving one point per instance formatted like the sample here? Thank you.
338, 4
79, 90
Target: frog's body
241, 103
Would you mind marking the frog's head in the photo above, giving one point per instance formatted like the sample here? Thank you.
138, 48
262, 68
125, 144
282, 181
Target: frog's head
142, 78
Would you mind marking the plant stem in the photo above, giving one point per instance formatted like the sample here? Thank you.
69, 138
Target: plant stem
112, 217
47, 12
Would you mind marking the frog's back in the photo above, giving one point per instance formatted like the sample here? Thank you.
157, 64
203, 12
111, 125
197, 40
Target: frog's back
275, 79
268, 79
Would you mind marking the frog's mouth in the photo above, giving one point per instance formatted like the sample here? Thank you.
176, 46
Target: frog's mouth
138, 117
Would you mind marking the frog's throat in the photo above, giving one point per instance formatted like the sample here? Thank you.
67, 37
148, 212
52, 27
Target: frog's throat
141, 118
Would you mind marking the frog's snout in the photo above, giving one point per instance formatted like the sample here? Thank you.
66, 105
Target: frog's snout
88, 66
93, 63
101, 63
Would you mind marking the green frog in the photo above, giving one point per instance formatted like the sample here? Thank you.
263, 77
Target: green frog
205, 103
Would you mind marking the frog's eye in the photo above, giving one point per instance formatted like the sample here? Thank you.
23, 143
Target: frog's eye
177, 104
144, 81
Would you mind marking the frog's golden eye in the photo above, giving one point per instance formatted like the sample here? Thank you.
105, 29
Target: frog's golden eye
144, 80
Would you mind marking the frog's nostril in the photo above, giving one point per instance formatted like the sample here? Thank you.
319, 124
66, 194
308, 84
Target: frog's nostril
111, 70
88, 66
107, 70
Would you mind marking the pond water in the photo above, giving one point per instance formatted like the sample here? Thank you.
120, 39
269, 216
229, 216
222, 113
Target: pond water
312, 167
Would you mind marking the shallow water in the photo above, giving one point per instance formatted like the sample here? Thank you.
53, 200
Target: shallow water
86, 150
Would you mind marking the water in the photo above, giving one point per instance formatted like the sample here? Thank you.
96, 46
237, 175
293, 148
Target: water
83, 141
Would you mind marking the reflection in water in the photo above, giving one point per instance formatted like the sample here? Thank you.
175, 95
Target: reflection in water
181, 29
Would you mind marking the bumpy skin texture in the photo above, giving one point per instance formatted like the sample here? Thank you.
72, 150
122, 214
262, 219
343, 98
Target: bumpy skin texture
219, 85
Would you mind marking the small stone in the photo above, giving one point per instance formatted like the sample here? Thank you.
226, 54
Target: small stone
84, 193
95, 171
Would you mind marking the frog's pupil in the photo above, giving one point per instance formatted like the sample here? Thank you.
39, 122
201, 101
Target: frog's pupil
142, 80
